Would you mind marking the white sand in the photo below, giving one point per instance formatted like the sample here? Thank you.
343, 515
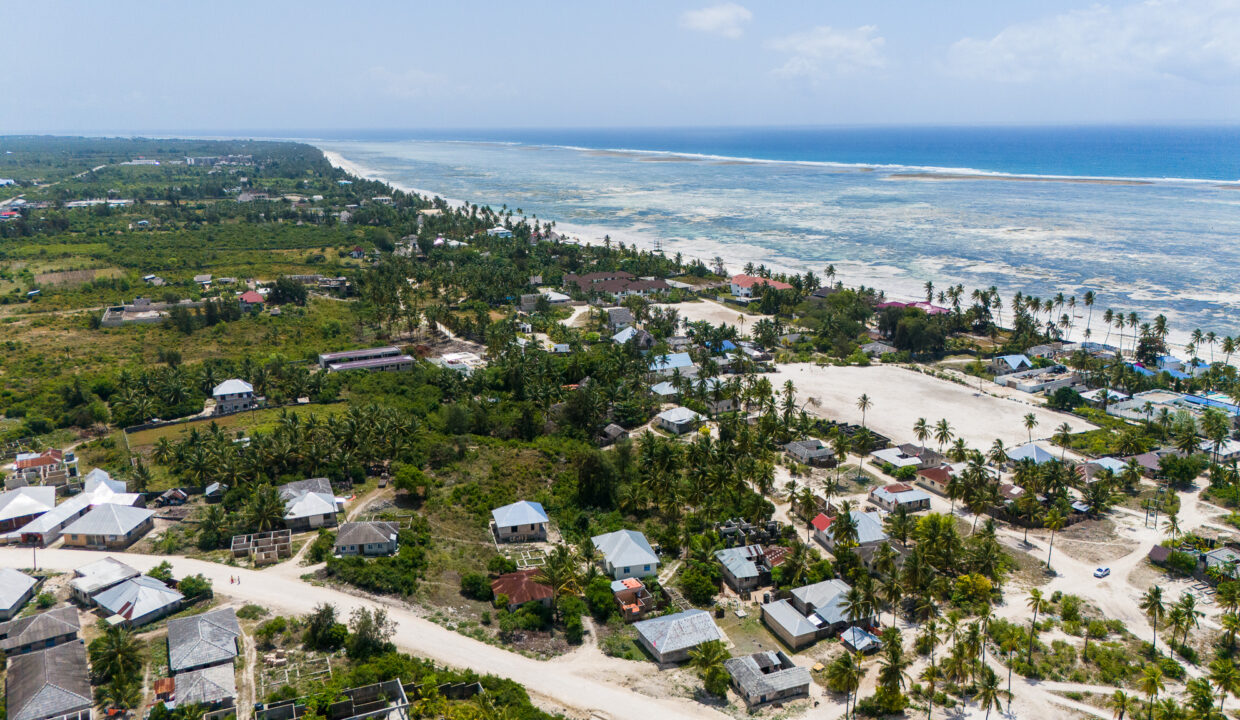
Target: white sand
899, 397
715, 314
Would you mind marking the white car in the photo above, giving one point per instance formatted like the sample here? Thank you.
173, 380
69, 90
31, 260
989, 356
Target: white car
1102, 572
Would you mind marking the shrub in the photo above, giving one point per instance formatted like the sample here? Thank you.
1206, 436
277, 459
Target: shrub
251, 612
195, 587
501, 565
45, 600
475, 585
600, 599
573, 629
322, 547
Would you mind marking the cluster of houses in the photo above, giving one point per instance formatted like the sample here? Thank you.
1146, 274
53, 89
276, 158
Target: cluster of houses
48, 675
103, 516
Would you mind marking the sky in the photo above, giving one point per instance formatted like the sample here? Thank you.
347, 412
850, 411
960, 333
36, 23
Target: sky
129, 66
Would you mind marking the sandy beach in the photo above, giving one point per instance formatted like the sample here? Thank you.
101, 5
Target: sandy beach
895, 282
900, 397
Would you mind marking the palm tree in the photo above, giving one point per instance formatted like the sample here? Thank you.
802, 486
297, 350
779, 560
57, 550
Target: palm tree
121, 692
116, 654
1152, 604
922, 431
931, 676
561, 573
1031, 421
1054, 521
988, 690
943, 433
1226, 678
1121, 704
864, 404
1063, 438
844, 674
709, 659
264, 510
1037, 604
1192, 616
1151, 683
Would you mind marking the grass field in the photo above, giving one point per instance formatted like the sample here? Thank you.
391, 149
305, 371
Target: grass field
246, 422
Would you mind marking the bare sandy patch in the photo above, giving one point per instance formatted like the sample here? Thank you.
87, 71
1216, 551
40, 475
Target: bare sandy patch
716, 314
899, 397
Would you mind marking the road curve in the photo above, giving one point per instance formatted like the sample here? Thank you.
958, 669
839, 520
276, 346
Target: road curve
585, 690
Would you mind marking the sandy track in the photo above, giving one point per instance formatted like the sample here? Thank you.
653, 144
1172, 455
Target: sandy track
586, 687
899, 397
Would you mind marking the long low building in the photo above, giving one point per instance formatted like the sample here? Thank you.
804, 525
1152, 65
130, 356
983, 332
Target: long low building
346, 356
393, 363
109, 527
38, 632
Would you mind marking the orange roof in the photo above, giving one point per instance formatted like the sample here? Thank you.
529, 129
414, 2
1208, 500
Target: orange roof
897, 488
632, 583
252, 297
165, 686
749, 281
821, 522
48, 457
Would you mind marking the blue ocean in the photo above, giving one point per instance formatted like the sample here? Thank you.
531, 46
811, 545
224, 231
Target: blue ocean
1146, 217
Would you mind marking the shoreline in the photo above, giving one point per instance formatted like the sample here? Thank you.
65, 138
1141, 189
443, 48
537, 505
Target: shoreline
850, 273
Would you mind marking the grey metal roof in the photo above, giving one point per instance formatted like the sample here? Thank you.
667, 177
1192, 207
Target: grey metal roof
138, 597
204, 639
300, 487
783, 614
747, 673
109, 519
38, 628
207, 685
859, 639
869, 528
682, 630
48, 683
13, 587
26, 501
625, 548
522, 512
738, 560
366, 533
827, 599
101, 574
679, 415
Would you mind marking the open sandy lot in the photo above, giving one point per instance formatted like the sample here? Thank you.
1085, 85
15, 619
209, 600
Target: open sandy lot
899, 397
715, 314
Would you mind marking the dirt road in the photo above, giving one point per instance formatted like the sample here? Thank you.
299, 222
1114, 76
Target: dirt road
585, 687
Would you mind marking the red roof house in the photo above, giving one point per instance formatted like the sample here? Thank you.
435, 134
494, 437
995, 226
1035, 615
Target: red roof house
520, 587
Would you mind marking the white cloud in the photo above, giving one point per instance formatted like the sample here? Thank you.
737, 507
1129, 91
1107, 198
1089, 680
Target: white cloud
405, 85
824, 50
727, 19
1196, 40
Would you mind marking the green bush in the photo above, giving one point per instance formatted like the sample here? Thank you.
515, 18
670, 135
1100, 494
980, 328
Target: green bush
476, 586
322, 547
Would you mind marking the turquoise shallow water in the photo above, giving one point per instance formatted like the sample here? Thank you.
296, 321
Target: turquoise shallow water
1161, 246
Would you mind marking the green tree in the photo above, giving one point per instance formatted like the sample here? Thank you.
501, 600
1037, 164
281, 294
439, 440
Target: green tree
116, 654
709, 658
1152, 604
844, 675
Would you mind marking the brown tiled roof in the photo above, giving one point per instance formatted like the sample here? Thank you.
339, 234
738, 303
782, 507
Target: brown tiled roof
520, 587
938, 475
